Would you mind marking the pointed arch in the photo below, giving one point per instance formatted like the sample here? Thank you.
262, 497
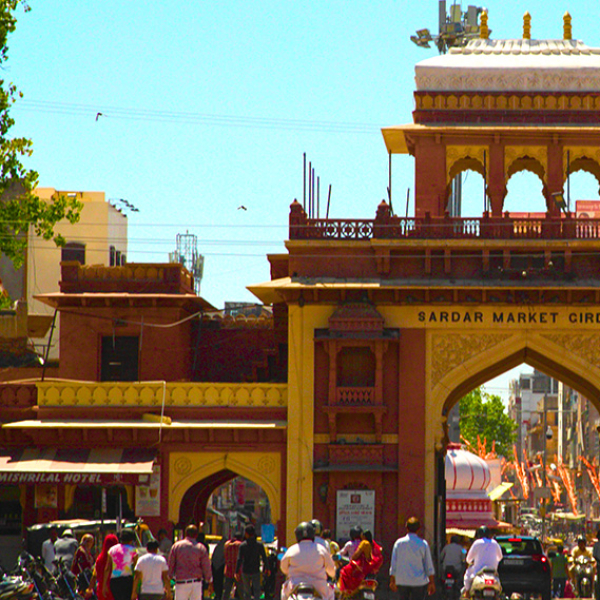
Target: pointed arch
190, 468
553, 353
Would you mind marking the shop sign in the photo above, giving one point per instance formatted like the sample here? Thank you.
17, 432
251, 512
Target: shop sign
147, 497
354, 507
70, 478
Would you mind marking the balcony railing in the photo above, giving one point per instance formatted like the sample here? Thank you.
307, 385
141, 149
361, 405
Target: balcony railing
388, 226
355, 396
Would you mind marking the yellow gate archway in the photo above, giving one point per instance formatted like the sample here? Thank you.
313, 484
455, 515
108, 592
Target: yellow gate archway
188, 468
459, 360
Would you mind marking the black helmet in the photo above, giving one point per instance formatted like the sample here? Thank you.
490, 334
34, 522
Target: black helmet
355, 532
318, 527
305, 531
482, 532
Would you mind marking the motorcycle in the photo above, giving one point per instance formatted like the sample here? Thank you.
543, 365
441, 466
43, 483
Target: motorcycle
452, 583
486, 585
583, 574
15, 588
66, 581
304, 591
34, 571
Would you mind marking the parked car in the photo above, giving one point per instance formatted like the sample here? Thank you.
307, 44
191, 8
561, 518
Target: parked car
525, 568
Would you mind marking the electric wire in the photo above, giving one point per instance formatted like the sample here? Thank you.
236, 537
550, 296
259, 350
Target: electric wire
190, 118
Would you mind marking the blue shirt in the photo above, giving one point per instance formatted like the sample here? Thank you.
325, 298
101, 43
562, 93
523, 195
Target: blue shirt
411, 562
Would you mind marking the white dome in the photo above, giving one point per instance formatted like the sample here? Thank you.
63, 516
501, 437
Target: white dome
512, 65
466, 473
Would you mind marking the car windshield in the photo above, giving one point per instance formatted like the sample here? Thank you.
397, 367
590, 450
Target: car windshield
520, 546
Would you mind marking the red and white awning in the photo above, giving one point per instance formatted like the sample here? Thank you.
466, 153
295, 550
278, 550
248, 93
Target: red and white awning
76, 466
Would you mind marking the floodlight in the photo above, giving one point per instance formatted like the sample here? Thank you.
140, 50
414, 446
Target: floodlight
559, 200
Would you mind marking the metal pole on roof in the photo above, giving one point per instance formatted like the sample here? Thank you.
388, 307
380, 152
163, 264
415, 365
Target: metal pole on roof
304, 183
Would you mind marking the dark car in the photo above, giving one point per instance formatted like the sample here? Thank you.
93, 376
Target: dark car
525, 569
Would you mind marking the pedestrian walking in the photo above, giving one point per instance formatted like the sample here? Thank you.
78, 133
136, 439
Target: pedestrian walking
217, 562
97, 582
48, 552
152, 572
231, 575
188, 565
65, 548
118, 573
411, 569
251, 554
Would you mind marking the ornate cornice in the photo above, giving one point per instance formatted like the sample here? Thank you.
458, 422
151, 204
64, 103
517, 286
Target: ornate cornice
75, 393
509, 100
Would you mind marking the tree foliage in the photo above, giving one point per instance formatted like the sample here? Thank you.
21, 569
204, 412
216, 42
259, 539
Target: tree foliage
485, 415
20, 208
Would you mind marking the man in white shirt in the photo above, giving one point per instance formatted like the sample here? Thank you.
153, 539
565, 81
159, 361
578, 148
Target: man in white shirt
48, 553
411, 569
153, 572
485, 552
309, 563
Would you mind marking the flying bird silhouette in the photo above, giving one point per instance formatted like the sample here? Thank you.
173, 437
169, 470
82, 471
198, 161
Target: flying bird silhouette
99, 115
242, 207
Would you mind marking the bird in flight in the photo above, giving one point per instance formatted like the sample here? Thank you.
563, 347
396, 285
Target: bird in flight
99, 115
242, 207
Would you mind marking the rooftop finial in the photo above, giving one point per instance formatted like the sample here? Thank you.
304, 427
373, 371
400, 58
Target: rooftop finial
567, 30
526, 26
484, 32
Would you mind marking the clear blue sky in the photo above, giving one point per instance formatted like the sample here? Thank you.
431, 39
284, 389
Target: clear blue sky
209, 105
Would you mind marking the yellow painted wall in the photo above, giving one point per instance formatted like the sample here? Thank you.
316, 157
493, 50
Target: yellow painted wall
300, 437
100, 226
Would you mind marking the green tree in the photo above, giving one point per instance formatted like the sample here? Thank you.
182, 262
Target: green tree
484, 415
20, 208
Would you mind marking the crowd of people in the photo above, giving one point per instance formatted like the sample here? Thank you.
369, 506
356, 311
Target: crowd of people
122, 572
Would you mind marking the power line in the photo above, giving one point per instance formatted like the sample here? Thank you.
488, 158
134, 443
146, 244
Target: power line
187, 118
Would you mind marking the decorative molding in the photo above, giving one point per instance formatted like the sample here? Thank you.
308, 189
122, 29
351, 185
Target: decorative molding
513, 153
363, 454
78, 393
506, 101
456, 153
449, 351
585, 346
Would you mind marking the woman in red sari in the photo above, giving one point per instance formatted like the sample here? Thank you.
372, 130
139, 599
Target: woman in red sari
98, 575
361, 564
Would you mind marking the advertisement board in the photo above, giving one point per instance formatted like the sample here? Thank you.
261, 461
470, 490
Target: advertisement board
147, 497
587, 209
354, 507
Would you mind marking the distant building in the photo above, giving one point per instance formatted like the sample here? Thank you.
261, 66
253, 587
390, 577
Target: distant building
99, 238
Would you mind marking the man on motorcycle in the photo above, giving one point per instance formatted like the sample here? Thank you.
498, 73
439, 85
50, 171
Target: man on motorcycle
308, 563
581, 550
485, 552
453, 555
